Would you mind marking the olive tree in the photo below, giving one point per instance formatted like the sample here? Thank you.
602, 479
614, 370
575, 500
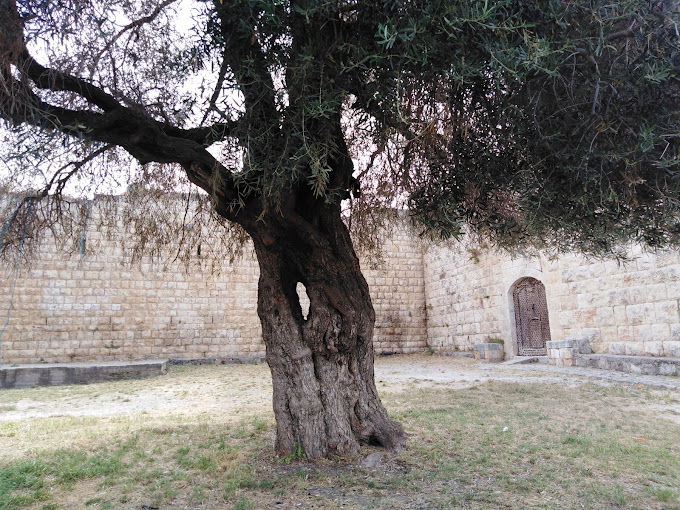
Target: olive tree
551, 123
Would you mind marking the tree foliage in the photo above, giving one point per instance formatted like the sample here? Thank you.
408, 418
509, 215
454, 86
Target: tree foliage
545, 122
553, 123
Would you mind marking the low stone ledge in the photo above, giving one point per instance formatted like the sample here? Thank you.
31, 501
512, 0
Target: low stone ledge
491, 352
56, 374
218, 360
644, 365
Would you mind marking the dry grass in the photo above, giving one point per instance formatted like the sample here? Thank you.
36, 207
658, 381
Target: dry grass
495, 445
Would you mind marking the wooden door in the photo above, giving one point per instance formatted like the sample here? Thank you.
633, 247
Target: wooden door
531, 317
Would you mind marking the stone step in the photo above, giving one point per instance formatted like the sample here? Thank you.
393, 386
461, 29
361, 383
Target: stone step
646, 365
526, 360
56, 374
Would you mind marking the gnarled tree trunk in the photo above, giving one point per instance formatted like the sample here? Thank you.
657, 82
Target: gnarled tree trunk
325, 399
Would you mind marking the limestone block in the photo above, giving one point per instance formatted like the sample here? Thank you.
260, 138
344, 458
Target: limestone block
666, 311
668, 369
490, 352
634, 348
624, 334
653, 348
643, 333
639, 314
617, 348
661, 331
671, 349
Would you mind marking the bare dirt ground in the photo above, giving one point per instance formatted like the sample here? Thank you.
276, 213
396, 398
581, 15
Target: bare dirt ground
200, 437
238, 390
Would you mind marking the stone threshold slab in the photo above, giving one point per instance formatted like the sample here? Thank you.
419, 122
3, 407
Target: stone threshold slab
526, 360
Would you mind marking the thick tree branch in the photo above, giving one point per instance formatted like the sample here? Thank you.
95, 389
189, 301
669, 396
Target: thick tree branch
206, 135
140, 135
54, 80
247, 61
145, 138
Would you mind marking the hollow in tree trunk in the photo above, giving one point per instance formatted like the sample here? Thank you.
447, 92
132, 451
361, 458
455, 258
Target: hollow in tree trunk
325, 399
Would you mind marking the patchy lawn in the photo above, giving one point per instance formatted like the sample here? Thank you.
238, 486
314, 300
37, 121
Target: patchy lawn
486, 444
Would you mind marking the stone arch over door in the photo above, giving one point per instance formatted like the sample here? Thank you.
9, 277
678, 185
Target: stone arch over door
532, 325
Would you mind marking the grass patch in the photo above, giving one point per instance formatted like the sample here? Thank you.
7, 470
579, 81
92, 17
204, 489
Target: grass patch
24, 483
496, 445
546, 446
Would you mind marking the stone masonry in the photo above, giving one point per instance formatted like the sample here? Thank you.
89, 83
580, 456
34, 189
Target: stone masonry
97, 307
100, 308
630, 308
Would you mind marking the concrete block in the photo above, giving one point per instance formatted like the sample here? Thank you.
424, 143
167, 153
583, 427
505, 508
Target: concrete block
491, 352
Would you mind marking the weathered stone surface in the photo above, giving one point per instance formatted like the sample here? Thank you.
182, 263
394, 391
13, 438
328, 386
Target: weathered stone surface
668, 369
490, 352
645, 365
671, 349
98, 307
456, 354
469, 298
217, 360
449, 298
653, 348
28, 376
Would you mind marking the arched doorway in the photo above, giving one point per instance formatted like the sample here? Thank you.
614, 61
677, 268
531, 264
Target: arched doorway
531, 317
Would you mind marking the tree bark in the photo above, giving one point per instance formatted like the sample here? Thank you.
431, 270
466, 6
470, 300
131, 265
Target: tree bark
325, 399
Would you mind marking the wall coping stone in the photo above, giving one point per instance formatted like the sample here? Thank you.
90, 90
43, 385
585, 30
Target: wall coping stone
82, 364
456, 354
631, 358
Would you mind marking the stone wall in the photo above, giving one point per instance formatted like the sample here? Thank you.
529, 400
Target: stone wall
99, 307
622, 308
631, 308
463, 297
